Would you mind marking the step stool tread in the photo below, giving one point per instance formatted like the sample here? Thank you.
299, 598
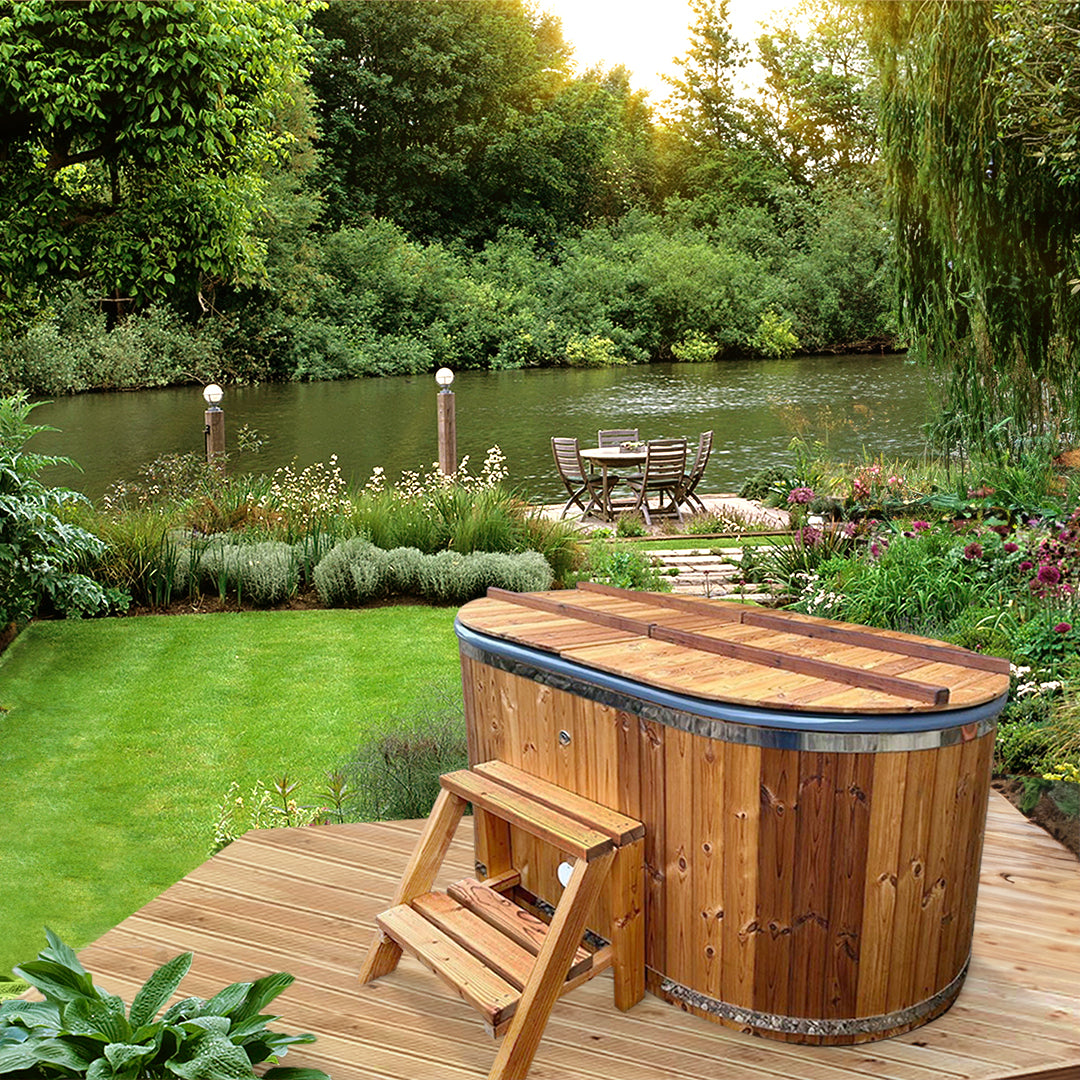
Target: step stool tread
508, 959
543, 822
508, 918
618, 827
492, 996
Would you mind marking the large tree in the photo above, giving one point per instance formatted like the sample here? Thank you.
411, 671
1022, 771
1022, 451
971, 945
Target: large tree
818, 105
986, 206
709, 150
455, 119
135, 139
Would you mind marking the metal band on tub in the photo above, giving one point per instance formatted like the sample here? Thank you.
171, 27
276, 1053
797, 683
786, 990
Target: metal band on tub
742, 724
798, 1025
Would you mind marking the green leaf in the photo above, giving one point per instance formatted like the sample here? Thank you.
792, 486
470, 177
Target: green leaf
31, 1014
56, 981
216, 1025
262, 992
215, 1058
224, 1001
252, 1025
148, 1033
62, 1052
103, 1018
16, 1056
122, 1055
100, 1069
183, 1010
61, 953
158, 989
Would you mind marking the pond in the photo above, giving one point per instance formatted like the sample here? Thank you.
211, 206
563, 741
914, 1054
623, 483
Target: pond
857, 404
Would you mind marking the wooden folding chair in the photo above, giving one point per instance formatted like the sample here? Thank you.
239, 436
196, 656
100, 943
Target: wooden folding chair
665, 463
692, 478
577, 478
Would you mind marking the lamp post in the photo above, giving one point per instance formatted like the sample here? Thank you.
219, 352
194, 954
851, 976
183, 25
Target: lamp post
215, 421
447, 423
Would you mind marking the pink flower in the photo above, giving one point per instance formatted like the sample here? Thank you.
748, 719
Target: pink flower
1062, 628
1049, 574
1025, 566
800, 495
973, 551
1010, 547
920, 526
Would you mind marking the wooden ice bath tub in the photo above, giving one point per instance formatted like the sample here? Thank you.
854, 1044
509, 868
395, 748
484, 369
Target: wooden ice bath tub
814, 794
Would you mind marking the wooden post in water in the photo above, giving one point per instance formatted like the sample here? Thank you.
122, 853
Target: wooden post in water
215, 424
447, 423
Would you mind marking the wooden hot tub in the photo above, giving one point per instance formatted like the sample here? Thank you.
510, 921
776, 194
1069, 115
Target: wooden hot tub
814, 793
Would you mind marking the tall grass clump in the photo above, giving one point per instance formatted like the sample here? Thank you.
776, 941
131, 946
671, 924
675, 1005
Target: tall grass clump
144, 556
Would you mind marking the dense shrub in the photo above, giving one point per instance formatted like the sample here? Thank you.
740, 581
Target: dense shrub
263, 573
69, 348
623, 567
356, 572
394, 773
350, 573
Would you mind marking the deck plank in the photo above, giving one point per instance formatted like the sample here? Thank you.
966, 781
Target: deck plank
305, 900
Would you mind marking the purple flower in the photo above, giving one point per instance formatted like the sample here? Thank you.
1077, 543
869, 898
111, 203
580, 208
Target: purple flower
809, 536
1026, 565
1062, 628
920, 526
1049, 574
973, 551
800, 495
1010, 547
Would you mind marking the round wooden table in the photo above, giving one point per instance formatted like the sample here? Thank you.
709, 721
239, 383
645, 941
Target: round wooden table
606, 457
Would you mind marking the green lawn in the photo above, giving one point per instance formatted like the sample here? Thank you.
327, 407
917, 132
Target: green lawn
120, 737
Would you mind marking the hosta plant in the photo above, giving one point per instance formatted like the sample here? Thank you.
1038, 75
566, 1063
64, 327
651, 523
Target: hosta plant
80, 1030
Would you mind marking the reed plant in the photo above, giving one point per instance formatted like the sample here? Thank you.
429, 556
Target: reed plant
144, 556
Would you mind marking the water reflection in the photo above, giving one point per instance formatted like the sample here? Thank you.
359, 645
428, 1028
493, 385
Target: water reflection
863, 404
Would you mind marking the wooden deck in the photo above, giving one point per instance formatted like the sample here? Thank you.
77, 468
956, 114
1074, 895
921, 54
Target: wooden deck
304, 901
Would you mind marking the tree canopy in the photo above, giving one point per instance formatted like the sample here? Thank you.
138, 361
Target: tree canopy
325, 188
135, 139
454, 120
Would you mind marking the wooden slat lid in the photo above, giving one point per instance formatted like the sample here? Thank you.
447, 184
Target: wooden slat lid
728, 652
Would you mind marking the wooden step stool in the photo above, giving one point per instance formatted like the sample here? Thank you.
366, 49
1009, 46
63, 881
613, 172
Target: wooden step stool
505, 962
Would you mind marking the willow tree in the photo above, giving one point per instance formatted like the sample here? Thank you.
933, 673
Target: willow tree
987, 223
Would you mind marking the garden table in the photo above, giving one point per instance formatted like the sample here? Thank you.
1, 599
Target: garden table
606, 457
